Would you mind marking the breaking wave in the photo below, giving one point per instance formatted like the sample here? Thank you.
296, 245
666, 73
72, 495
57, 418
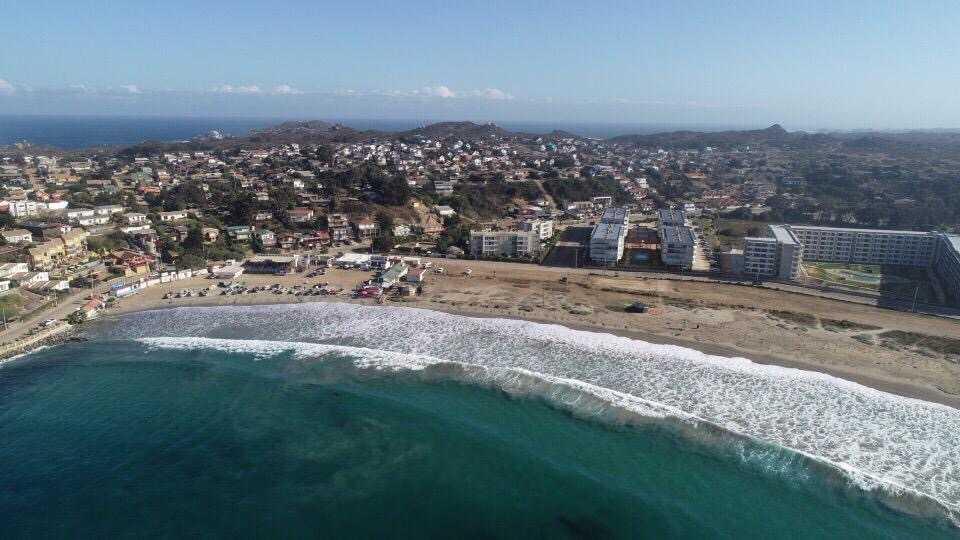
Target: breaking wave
909, 449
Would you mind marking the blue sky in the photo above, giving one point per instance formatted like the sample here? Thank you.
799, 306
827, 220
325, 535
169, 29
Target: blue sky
804, 64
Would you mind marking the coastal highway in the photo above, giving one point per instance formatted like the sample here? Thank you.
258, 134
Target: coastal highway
66, 305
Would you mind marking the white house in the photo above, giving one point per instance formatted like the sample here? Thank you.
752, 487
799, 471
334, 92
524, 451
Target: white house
17, 236
175, 215
134, 218
22, 209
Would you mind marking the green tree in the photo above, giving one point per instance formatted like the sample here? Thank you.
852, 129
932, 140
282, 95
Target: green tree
191, 261
194, 239
77, 317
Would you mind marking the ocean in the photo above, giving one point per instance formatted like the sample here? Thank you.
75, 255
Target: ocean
76, 132
334, 420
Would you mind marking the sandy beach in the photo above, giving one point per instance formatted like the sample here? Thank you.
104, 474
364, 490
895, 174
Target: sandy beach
903, 353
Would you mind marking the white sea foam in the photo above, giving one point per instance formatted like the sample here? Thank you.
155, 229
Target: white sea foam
15, 357
879, 439
365, 358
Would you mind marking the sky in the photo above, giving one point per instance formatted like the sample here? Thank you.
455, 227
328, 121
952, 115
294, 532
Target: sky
804, 64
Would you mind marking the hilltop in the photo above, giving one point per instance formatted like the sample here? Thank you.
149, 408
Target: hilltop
774, 134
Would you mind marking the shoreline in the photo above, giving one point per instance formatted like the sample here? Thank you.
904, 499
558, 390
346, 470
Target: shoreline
900, 388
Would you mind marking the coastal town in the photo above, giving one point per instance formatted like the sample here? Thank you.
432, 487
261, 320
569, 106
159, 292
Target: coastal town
384, 217
424, 270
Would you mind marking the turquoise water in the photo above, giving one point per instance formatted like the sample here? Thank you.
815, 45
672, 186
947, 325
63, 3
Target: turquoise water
117, 438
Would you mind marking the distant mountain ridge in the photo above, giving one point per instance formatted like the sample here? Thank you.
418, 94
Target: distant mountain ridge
904, 143
772, 134
466, 130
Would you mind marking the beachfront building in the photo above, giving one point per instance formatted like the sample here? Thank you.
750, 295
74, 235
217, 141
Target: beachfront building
676, 239
609, 236
616, 216
607, 242
782, 254
676, 246
393, 275
543, 227
271, 264
865, 246
777, 256
671, 217
511, 244
946, 266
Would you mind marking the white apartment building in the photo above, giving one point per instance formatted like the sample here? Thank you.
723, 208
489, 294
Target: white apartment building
782, 254
777, 256
866, 246
23, 209
676, 239
676, 246
607, 243
543, 227
484, 244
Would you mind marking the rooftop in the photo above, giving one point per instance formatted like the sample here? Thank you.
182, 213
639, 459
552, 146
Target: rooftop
783, 234
614, 215
608, 232
845, 229
677, 234
671, 216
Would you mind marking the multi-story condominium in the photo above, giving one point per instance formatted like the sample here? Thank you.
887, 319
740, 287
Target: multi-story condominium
676, 246
543, 227
781, 255
607, 242
777, 256
946, 265
676, 239
866, 246
504, 243
616, 216
671, 217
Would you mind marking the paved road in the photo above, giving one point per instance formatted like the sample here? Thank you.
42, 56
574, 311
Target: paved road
60, 310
